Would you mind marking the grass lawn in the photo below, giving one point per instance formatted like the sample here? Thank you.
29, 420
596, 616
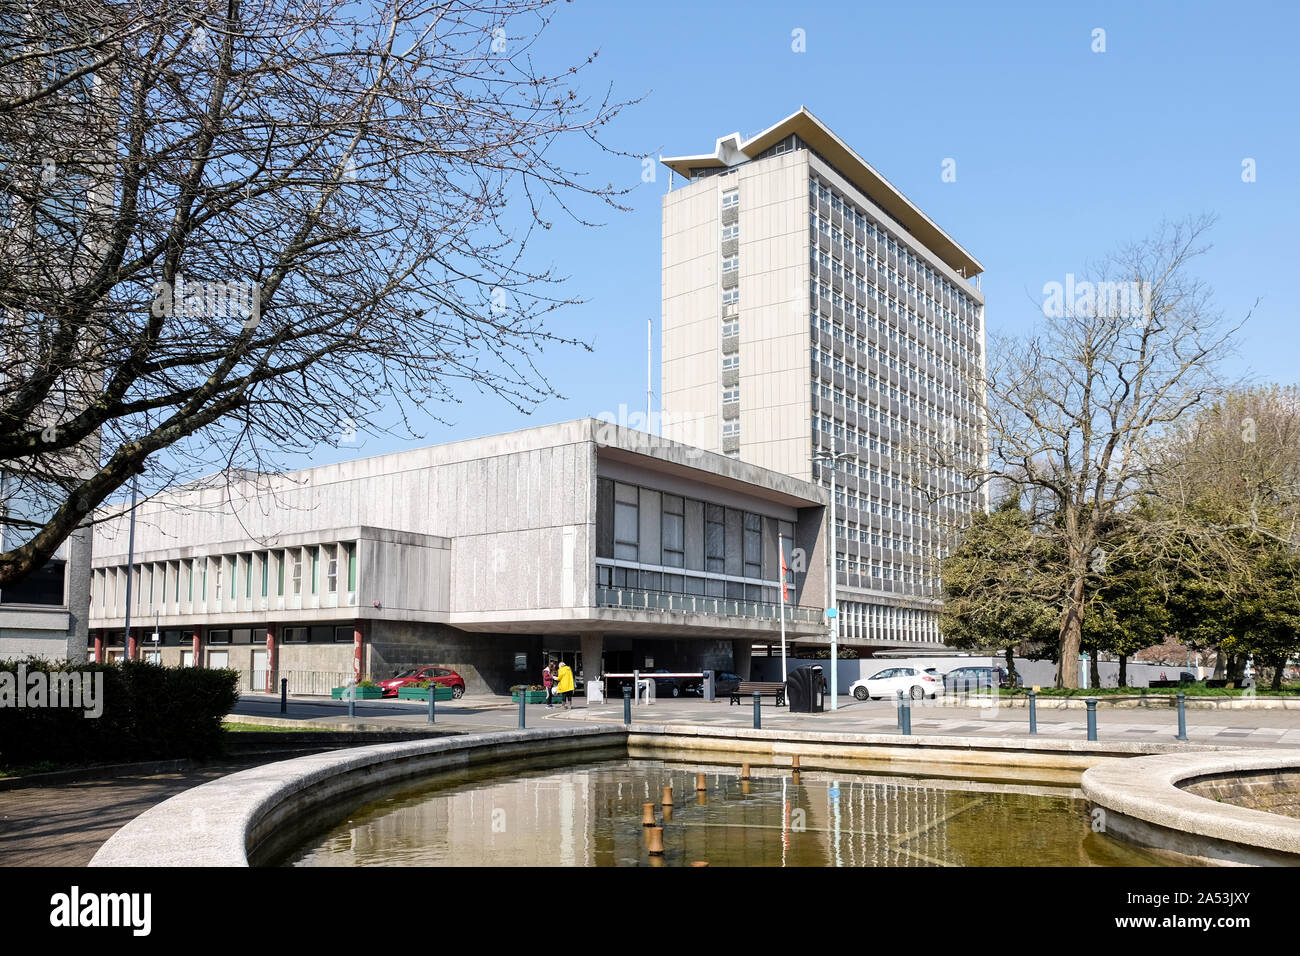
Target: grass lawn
1191, 690
43, 767
268, 728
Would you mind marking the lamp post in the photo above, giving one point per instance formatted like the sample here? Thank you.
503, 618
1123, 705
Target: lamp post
130, 572
833, 610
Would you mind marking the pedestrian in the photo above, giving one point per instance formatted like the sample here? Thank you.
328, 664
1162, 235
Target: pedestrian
548, 680
564, 685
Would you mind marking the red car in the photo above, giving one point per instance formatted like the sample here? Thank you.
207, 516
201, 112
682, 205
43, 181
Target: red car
439, 675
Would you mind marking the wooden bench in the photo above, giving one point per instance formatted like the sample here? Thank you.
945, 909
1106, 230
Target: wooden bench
748, 688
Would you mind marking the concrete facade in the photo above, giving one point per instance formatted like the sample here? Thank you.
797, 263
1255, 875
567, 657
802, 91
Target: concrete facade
481, 556
809, 308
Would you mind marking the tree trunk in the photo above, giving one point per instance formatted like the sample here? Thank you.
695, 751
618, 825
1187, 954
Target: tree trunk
1236, 665
1218, 664
1279, 665
1123, 670
1067, 658
1094, 668
1011, 668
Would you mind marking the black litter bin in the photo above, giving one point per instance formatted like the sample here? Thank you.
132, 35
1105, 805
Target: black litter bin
806, 691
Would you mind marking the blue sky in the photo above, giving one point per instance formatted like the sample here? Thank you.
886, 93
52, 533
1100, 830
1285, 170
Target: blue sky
1062, 154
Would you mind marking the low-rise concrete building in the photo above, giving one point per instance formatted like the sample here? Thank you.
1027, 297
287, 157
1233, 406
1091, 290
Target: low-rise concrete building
581, 540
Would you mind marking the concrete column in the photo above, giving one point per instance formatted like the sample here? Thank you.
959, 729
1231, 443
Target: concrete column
272, 660
358, 650
198, 647
741, 652
593, 648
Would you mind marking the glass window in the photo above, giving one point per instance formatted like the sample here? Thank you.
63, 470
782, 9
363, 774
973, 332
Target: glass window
674, 532
753, 546
332, 568
714, 539
626, 522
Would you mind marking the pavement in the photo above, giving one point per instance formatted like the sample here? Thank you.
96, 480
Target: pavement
1246, 728
64, 824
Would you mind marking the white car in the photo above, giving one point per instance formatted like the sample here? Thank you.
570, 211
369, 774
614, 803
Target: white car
887, 683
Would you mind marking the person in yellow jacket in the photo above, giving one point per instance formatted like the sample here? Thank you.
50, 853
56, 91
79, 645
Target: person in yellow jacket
564, 685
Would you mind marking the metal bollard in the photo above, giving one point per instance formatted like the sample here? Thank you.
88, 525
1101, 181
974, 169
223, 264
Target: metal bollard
352, 700
906, 712
432, 693
1092, 718
1182, 716
758, 714
627, 705
523, 703
1033, 712
898, 716
284, 695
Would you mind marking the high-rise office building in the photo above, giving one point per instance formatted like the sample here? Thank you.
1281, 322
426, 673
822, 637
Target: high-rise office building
810, 309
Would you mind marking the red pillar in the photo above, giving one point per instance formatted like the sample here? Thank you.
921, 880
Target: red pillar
130, 646
198, 647
99, 649
358, 649
272, 659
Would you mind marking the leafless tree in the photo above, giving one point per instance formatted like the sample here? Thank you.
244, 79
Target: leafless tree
1122, 354
238, 230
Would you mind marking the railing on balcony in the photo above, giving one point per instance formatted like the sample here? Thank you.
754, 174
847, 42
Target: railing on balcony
667, 601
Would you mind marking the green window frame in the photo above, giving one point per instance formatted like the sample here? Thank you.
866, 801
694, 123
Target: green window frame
280, 584
204, 582
266, 560
315, 567
352, 567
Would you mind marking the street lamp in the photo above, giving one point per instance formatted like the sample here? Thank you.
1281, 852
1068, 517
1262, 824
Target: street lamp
130, 565
832, 609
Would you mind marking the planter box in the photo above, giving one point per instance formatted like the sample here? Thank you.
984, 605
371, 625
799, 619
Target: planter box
422, 693
363, 693
534, 696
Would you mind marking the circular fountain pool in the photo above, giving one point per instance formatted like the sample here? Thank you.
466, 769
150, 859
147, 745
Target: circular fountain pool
590, 814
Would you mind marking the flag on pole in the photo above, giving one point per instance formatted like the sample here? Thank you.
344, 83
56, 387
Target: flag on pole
785, 593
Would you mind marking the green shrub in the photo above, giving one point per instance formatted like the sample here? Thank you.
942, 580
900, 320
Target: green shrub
149, 712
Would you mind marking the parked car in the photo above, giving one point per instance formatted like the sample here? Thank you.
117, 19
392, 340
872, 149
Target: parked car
439, 675
671, 686
889, 682
724, 683
978, 678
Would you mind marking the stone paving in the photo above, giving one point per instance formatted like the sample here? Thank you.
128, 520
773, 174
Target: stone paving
1248, 728
1263, 728
64, 825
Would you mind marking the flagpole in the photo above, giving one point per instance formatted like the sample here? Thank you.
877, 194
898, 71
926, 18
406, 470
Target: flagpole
783, 675
782, 590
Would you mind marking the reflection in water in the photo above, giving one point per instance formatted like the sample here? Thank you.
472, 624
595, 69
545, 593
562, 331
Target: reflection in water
592, 816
